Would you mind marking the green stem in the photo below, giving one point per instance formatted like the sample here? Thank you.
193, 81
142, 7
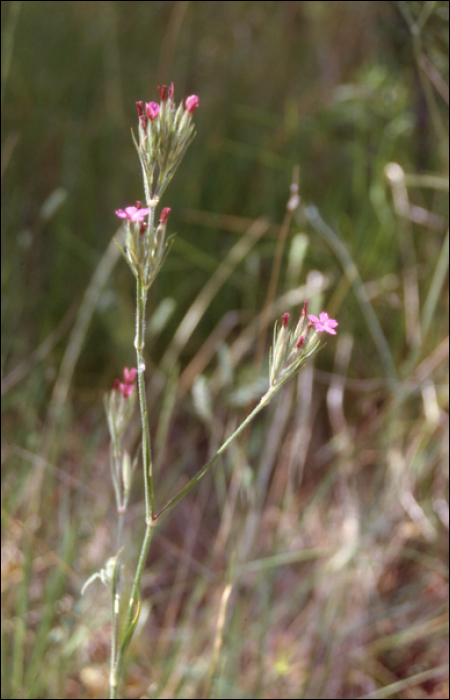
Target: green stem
139, 343
132, 613
262, 403
131, 618
115, 605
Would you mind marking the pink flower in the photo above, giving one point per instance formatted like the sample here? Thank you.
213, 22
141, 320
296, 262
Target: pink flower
133, 213
164, 214
126, 389
151, 110
192, 103
286, 318
129, 375
324, 323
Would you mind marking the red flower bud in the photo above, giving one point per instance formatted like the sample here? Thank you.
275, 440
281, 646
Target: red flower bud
164, 214
305, 309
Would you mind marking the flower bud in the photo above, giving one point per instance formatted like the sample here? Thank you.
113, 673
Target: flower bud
164, 214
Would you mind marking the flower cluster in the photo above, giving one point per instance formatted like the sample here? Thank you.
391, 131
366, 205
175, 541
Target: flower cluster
145, 248
165, 132
291, 348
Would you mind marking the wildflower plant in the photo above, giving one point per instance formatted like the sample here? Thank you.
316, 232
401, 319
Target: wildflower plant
165, 131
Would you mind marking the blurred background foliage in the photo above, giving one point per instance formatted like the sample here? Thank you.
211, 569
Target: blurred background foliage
352, 484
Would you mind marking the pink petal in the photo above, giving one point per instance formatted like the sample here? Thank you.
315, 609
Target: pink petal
192, 103
126, 390
152, 110
129, 375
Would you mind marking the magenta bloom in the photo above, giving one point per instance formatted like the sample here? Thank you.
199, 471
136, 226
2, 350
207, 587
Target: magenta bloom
133, 213
192, 103
324, 323
152, 110
126, 390
129, 375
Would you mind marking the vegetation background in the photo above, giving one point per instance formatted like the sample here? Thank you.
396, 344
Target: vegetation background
313, 562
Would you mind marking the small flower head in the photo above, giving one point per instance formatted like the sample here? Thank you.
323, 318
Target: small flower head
192, 103
165, 132
151, 110
324, 323
133, 213
291, 348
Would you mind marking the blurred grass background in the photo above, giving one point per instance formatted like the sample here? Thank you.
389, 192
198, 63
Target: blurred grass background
313, 562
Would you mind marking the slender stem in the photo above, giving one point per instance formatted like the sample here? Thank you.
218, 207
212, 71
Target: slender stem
134, 596
120, 524
113, 459
131, 617
115, 606
151, 523
139, 343
262, 403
